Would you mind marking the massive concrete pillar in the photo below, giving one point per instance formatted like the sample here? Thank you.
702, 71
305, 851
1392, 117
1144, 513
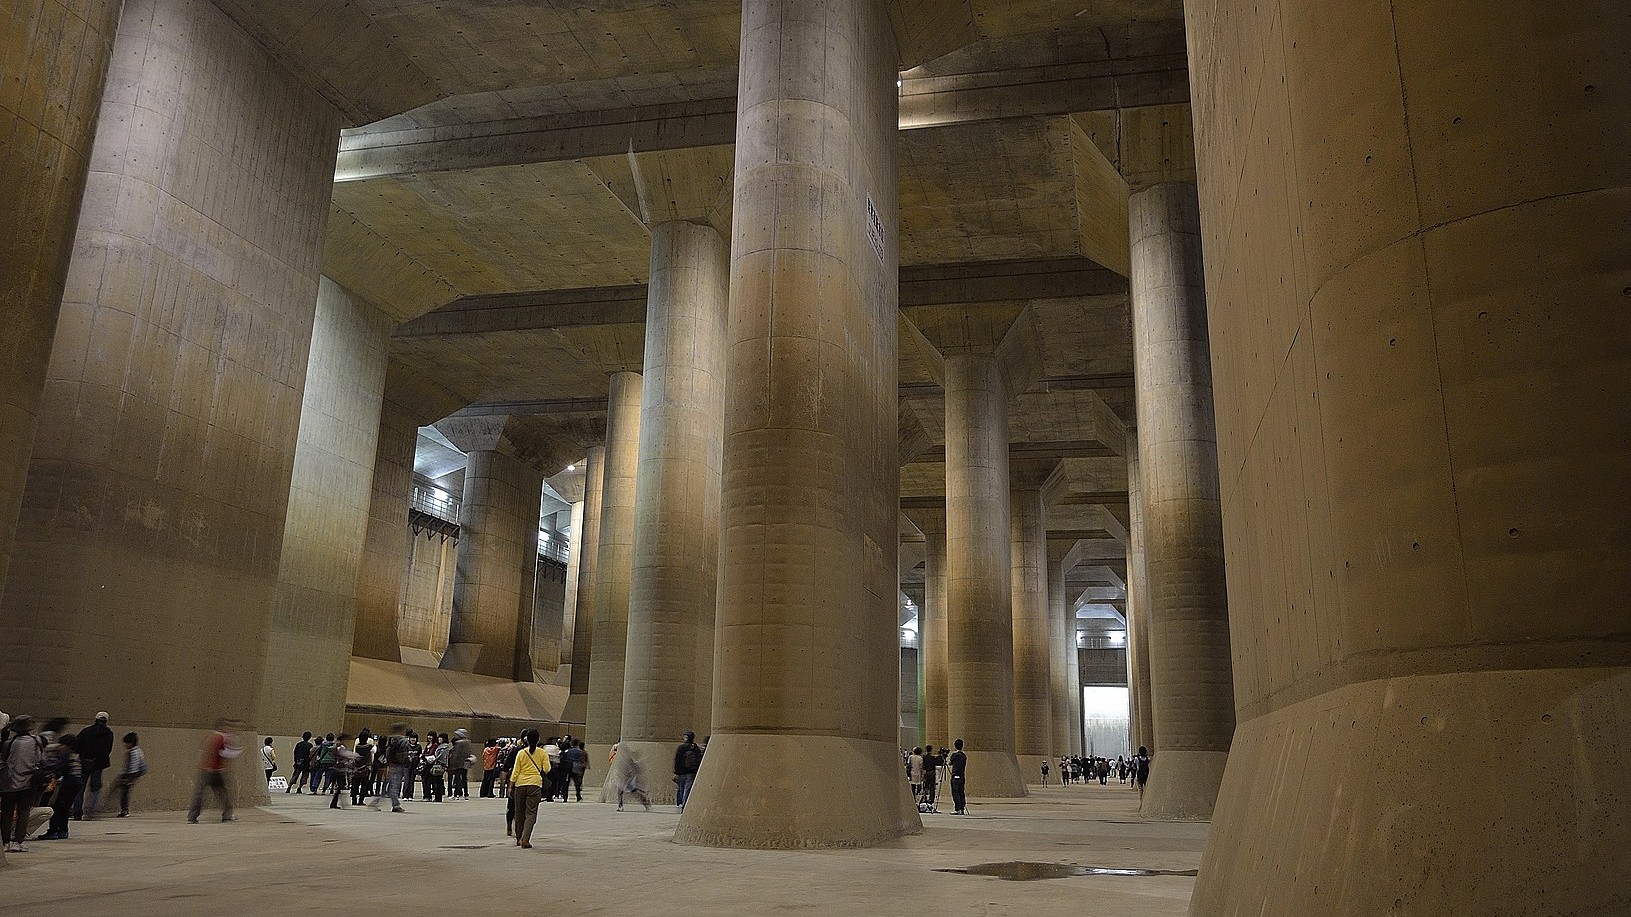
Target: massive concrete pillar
308, 653
614, 565
1061, 649
980, 686
490, 633
385, 543
1142, 722
1422, 334
933, 640
1192, 691
548, 610
574, 561
56, 63
1032, 634
146, 557
583, 614
806, 682
668, 682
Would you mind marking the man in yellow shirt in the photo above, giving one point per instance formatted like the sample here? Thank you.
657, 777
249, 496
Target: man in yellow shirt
527, 786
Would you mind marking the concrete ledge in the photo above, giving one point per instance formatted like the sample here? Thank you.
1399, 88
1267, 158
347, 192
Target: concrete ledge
379, 689
1498, 792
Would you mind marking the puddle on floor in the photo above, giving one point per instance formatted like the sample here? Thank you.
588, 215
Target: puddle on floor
466, 847
1026, 872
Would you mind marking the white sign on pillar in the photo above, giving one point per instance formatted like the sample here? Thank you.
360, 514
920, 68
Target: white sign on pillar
874, 232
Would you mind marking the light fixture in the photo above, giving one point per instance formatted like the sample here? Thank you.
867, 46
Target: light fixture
572, 467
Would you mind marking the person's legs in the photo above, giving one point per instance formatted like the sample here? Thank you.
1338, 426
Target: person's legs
957, 802
125, 783
62, 806
218, 782
14, 815
93, 789
683, 791
577, 785
509, 815
528, 798
197, 806
337, 786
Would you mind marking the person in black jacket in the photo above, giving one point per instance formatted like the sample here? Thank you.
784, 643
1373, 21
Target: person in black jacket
959, 770
302, 765
687, 758
95, 755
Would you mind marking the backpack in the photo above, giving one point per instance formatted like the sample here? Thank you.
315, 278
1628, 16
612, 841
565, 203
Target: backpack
41, 776
693, 757
401, 753
325, 755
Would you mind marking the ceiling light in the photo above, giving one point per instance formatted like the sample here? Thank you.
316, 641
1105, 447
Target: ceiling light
572, 467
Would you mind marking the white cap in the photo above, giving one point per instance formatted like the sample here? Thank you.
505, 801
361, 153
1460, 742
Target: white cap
102, 716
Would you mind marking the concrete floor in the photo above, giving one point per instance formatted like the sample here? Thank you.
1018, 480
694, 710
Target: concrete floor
298, 854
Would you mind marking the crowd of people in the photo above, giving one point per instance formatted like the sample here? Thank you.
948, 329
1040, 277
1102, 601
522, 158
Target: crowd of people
51, 775
1134, 771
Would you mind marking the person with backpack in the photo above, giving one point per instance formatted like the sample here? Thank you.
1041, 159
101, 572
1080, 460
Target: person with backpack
1141, 769
578, 764
24, 772
458, 765
323, 765
687, 760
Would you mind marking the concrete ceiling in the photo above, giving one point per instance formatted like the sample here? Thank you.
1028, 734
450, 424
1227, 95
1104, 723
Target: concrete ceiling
510, 155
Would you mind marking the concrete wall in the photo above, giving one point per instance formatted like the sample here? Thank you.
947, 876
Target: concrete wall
329, 495
56, 60
1416, 222
380, 577
548, 605
152, 528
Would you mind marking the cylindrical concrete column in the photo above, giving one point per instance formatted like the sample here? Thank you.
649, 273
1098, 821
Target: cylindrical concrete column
574, 559
45, 151
613, 565
583, 630
1422, 334
980, 687
911, 718
1073, 677
669, 677
1061, 647
1192, 690
385, 543
934, 641
808, 641
1028, 590
498, 557
1142, 721
145, 561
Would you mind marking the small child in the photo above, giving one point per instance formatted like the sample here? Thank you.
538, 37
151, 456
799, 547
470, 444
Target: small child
135, 767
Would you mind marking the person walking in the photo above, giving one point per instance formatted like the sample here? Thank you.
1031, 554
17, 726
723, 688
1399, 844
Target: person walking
577, 765
95, 756
401, 759
323, 762
134, 769
630, 782
914, 771
459, 760
342, 771
1140, 767
687, 760
219, 747
489, 768
959, 771
23, 773
527, 780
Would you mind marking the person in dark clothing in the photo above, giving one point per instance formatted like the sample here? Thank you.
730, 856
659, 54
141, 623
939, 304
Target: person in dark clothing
95, 756
959, 770
362, 774
579, 760
932, 763
687, 759
1141, 769
65, 764
302, 765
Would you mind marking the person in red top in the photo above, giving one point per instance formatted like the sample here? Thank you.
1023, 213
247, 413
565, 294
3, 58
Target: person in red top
220, 746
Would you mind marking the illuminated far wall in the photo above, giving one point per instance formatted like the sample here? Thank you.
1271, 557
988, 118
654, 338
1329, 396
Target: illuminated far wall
1104, 720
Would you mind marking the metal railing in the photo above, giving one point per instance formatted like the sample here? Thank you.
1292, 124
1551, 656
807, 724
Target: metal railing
433, 502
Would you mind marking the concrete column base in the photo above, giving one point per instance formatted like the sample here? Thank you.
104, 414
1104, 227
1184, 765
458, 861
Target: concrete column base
800, 791
577, 711
461, 657
1183, 784
1498, 792
1030, 766
996, 775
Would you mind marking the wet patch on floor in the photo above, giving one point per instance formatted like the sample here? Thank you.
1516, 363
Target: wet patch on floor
1026, 872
